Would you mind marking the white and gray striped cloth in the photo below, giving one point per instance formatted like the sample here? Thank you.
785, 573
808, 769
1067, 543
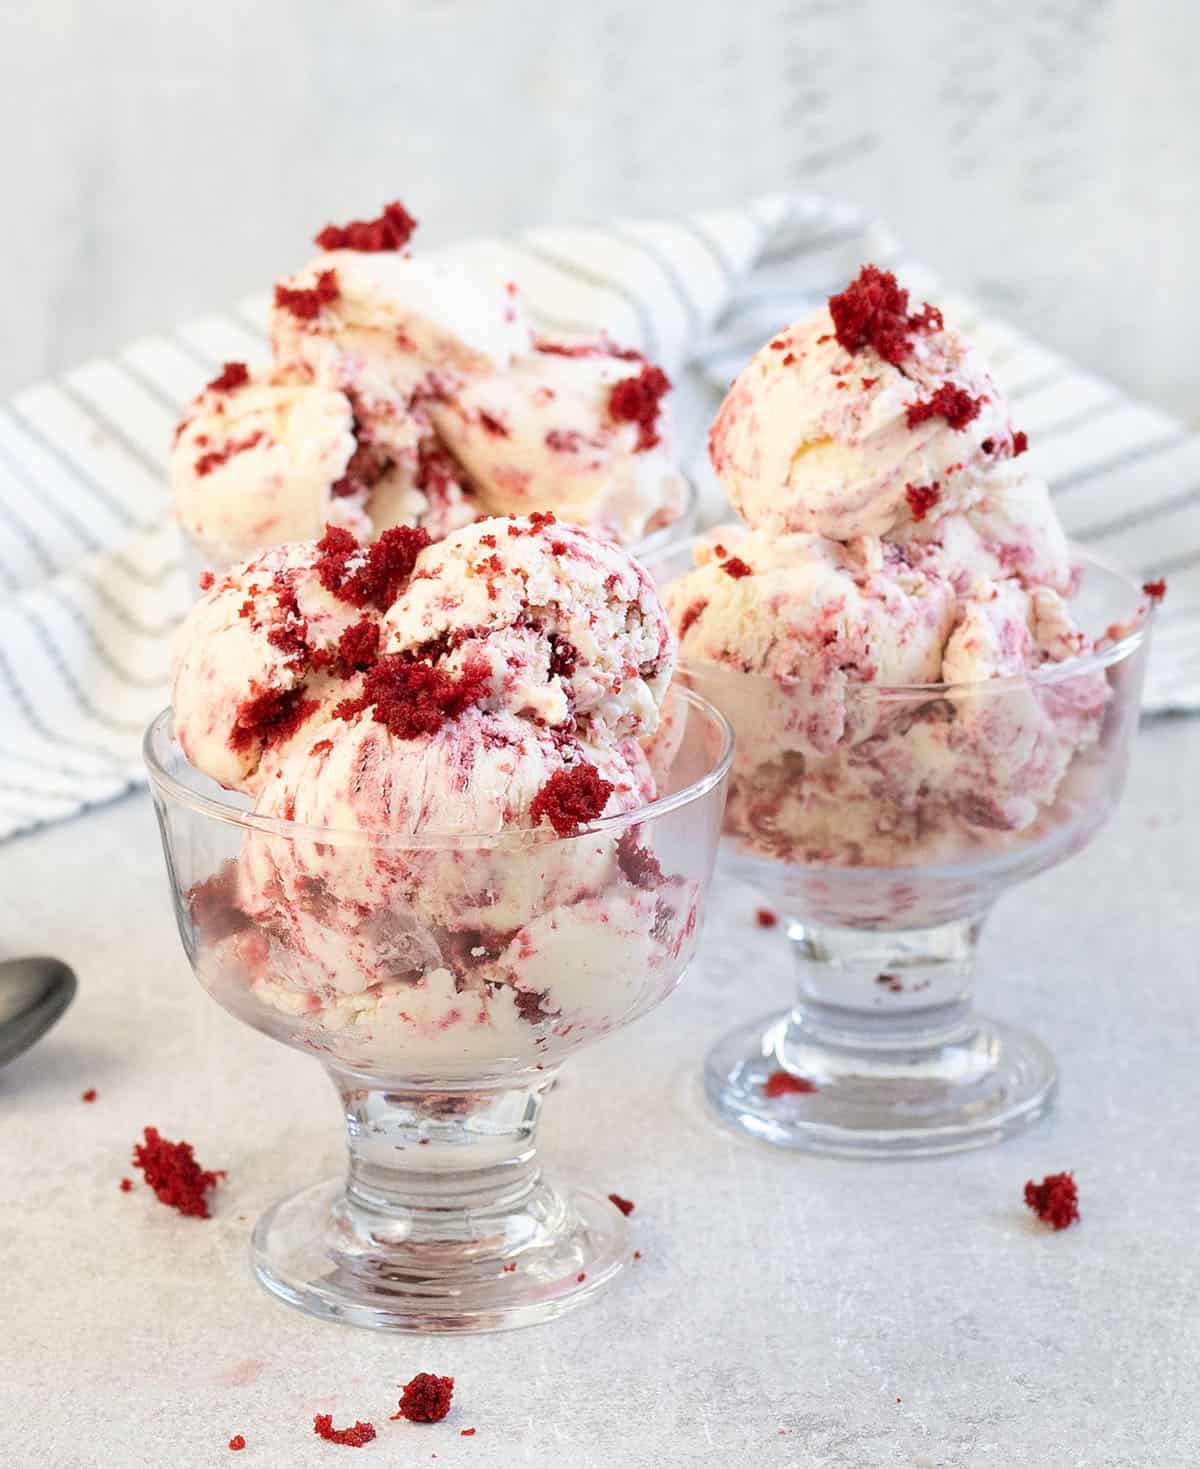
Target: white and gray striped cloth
92, 581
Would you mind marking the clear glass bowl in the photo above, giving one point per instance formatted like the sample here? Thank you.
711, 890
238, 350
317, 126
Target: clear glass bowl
885, 856
441, 981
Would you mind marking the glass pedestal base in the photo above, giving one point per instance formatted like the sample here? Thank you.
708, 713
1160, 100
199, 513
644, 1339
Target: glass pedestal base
335, 1258
966, 1091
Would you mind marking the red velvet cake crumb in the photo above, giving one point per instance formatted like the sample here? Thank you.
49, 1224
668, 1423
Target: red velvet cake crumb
270, 717
1155, 590
950, 402
358, 646
426, 1399
127, 1185
391, 231
355, 1438
765, 918
207, 579
784, 1084
412, 698
638, 863
172, 1172
602, 347
571, 797
306, 304
492, 425
89, 1095
214, 458
564, 656
538, 521
922, 498
868, 383
232, 375
237, 1442
626, 1206
637, 400
736, 568
1020, 442
1055, 1200
873, 312
374, 575
466, 1433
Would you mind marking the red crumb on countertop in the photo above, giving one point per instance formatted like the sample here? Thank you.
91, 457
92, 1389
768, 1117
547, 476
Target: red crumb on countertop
90, 1095
206, 581
637, 400
237, 1442
127, 1185
232, 375
638, 863
784, 1084
1155, 590
466, 1433
305, 303
736, 568
950, 402
372, 575
416, 698
922, 498
361, 1433
571, 797
426, 1398
873, 312
626, 1206
391, 231
766, 918
1020, 442
1055, 1200
172, 1172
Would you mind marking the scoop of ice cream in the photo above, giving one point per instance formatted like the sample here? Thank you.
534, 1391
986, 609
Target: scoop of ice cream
814, 617
838, 431
569, 626
277, 639
256, 462
1009, 529
381, 325
580, 430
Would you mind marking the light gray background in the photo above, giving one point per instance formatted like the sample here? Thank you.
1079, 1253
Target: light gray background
164, 158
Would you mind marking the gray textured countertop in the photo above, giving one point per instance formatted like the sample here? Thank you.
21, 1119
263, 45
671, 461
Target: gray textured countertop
786, 1311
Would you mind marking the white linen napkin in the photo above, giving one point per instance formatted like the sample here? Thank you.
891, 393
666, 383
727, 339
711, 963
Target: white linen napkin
91, 581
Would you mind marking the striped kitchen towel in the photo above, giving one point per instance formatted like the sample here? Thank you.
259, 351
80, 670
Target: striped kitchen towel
90, 571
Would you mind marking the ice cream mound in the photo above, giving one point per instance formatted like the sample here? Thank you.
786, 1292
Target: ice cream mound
404, 391
435, 727
893, 562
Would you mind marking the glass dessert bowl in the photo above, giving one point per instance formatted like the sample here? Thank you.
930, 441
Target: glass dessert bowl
885, 854
441, 981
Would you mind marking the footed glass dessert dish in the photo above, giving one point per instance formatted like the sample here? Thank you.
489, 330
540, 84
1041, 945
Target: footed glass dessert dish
885, 854
440, 981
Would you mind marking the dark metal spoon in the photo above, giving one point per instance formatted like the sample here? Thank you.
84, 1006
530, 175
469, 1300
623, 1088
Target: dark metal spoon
34, 992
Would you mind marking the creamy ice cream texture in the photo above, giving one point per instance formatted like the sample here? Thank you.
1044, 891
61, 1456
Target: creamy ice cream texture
890, 538
403, 391
439, 722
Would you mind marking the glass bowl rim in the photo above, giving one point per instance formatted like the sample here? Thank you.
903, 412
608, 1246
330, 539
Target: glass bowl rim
175, 791
1047, 675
